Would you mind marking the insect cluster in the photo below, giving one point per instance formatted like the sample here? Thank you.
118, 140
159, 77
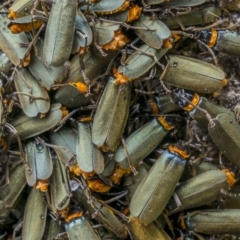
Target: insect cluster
119, 119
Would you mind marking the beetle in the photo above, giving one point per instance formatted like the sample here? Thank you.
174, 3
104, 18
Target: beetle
146, 203
140, 143
233, 5
194, 75
109, 36
111, 116
200, 108
29, 127
231, 199
197, 16
76, 99
225, 134
10, 193
52, 229
40, 161
152, 38
34, 221
89, 157
151, 231
24, 24
225, 41
20, 8
214, 221
59, 187
33, 98
11, 43
138, 64
77, 225
162, 104
200, 190
59, 32
83, 34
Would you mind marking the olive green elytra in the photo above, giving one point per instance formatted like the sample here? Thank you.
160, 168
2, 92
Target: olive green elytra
39, 161
214, 221
35, 216
194, 75
156, 188
226, 135
60, 32
199, 190
111, 115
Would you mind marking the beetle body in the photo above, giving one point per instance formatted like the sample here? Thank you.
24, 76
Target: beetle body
30, 127
198, 16
111, 116
79, 226
24, 24
83, 34
141, 232
60, 33
166, 103
233, 5
59, 188
199, 190
72, 95
109, 36
155, 190
222, 41
52, 229
11, 192
40, 161
142, 142
89, 157
193, 75
20, 8
138, 64
226, 135
152, 38
203, 103
215, 222
25, 83
35, 216
11, 44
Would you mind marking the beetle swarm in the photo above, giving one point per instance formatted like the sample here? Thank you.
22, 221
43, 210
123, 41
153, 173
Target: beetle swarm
90, 102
